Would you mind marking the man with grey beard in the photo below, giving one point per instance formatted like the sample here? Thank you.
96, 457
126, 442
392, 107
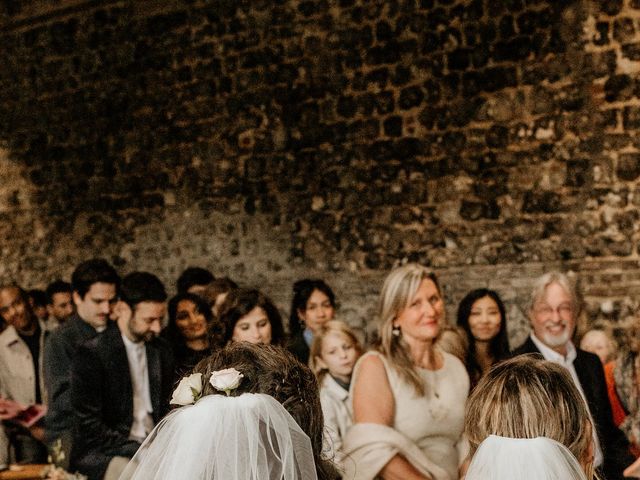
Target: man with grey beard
553, 311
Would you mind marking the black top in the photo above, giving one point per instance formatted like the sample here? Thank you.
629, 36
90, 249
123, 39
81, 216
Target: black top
33, 342
186, 358
298, 346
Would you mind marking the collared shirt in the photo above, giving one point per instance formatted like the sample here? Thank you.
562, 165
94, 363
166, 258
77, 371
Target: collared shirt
142, 407
567, 362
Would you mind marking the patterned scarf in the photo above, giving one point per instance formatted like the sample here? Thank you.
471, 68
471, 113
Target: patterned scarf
625, 374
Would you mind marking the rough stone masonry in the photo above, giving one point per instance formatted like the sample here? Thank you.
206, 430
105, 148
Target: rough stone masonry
274, 139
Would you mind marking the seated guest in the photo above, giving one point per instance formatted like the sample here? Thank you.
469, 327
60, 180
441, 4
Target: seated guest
412, 429
187, 331
59, 303
121, 381
622, 376
553, 311
481, 314
194, 280
38, 302
216, 292
94, 283
248, 316
599, 340
334, 352
21, 381
313, 304
526, 420
250, 412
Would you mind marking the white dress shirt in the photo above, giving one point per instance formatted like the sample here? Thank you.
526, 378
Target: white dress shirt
142, 407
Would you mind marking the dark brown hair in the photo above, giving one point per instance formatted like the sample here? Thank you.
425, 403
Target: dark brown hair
273, 371
238, 304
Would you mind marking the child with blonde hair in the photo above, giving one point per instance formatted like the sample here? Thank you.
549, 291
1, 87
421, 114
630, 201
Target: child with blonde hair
334, 352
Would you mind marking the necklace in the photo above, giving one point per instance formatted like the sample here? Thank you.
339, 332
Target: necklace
433, 383
436, 407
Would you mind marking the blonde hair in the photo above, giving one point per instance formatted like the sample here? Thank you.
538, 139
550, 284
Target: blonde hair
527, 397
397, 291
607, 331
541, 283
330, 327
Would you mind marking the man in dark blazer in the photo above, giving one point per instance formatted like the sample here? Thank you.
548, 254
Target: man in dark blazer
94, 285
552, 312
121, 381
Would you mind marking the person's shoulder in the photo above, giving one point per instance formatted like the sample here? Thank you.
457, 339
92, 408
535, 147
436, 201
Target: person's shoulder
163, 345
526, 347
372, 362
101, 341
451, 361
588, 359
373, 356
68, 332
331, 392
8, 335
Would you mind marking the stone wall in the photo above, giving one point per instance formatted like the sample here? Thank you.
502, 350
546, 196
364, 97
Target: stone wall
270, 140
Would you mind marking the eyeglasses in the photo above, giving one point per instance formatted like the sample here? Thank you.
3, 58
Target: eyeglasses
564, 309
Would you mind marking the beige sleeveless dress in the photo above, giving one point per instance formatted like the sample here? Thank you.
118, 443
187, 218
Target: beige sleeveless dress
433, 422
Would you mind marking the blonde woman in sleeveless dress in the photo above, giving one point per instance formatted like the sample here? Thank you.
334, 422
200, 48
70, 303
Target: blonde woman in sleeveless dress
408, 395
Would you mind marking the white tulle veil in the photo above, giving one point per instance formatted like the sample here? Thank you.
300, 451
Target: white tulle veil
249, 437
501, 458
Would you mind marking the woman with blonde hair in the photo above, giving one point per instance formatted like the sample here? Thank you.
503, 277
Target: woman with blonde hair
412, 429
526, 420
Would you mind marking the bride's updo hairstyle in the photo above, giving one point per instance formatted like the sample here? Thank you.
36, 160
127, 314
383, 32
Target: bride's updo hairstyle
526, 398
272, 370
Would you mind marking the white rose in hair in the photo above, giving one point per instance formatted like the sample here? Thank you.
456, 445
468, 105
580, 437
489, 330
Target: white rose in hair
226, 380
188, 390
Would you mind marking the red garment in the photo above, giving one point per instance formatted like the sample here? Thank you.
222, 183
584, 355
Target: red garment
616, 407
619, 414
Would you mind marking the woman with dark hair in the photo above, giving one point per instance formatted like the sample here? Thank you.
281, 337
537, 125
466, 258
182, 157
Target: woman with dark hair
248, 315
189, 321
313, 305
248, 412
482, 315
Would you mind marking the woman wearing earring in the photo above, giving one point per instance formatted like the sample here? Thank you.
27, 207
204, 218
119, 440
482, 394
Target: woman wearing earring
313, 305
413, 428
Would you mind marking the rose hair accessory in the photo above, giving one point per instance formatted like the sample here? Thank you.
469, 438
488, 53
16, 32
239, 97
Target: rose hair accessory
226, 380
188, 391
265, 439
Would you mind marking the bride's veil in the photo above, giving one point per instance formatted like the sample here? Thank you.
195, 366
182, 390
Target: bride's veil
501, 458
250, 437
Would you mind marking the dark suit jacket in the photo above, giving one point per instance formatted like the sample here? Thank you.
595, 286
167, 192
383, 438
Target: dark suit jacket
613, 442
60, 348
102, 399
